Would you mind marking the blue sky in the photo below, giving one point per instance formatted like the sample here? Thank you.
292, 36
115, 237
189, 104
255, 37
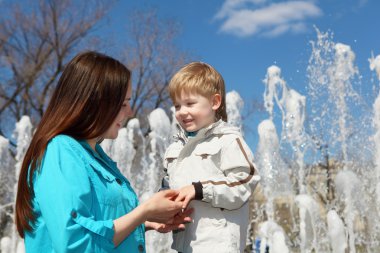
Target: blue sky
242, 38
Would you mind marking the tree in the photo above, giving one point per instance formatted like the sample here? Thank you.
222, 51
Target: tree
36, 39
152, 56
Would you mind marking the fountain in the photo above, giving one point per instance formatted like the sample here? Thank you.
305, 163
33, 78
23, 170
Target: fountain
337, 232
332, 215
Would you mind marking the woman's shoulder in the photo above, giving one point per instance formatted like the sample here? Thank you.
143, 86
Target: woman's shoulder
65, 145
62, 139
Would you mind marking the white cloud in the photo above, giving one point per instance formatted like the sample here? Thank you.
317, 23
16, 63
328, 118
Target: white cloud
270, 20
362, 3
229, 6
283, 28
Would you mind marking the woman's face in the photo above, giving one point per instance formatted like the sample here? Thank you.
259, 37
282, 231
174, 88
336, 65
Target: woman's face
124, 113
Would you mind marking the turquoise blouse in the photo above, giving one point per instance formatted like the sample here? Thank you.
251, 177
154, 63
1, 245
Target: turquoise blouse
78, 194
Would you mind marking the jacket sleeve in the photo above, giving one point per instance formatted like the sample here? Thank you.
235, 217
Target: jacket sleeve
64, 198
240, 177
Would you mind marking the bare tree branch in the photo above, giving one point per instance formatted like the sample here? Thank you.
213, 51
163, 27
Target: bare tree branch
36, 40
152, 56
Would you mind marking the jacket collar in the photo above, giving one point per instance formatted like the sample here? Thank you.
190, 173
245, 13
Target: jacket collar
219, 127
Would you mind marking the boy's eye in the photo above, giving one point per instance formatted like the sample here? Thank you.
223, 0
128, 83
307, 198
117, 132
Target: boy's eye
176, 107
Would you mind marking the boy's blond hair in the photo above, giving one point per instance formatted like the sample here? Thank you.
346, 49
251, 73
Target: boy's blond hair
200, 78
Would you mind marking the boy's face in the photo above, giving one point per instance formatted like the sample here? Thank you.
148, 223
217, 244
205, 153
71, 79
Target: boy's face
194, 111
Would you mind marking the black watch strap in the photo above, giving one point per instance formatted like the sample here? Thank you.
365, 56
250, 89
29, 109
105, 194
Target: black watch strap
198, 190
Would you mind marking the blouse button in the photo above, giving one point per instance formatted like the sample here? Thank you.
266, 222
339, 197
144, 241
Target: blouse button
141, 248
118, 181
74, 214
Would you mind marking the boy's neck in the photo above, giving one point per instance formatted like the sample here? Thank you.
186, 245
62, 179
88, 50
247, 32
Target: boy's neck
191, 134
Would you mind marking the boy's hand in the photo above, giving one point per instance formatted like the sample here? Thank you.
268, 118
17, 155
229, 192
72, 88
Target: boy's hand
186, 194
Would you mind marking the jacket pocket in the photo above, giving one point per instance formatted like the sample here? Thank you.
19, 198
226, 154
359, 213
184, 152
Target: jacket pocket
205, 150
171, 156
108, 188
217, 218
209, 157
211, 226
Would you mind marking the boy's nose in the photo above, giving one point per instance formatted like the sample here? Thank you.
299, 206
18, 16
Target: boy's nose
182, 111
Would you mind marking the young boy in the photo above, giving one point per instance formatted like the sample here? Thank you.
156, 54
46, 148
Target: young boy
209, 162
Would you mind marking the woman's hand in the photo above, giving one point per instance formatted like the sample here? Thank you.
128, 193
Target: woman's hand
162, 208
186, 194
179, 222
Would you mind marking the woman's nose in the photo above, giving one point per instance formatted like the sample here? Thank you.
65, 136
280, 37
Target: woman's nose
130, 112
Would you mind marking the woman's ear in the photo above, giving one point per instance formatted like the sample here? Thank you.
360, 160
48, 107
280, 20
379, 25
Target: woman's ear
216, 101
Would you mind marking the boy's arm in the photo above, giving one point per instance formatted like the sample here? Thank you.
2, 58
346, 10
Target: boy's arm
241, 177
232, 190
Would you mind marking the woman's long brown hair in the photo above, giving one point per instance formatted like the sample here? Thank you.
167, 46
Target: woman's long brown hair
87, 99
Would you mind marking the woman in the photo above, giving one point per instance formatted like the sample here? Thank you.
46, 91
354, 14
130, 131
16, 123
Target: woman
71, 196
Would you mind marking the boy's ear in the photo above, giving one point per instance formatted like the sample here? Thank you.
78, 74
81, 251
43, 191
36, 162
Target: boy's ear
216, 101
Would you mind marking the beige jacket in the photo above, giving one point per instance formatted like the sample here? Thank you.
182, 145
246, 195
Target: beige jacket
219, 158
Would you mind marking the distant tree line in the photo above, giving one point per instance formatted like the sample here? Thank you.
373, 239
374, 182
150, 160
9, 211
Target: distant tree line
37, 38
